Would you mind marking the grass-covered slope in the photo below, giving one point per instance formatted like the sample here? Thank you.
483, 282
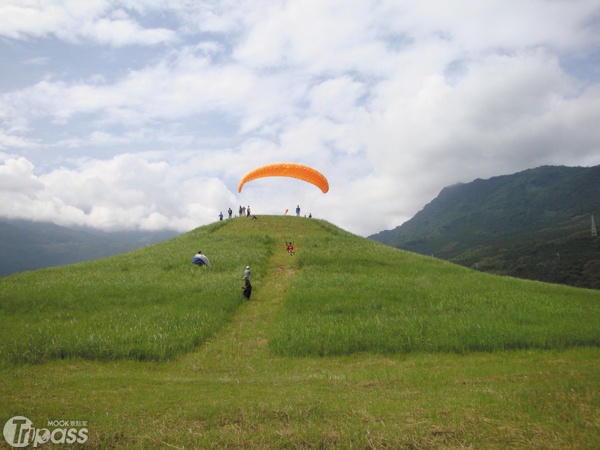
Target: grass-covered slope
148, 304
347, 295
353, 295
228, 375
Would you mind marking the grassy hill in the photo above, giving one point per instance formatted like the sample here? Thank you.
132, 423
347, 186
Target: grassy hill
534, 224
348, 343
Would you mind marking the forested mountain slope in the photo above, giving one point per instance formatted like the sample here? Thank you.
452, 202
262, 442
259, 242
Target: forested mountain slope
534, 224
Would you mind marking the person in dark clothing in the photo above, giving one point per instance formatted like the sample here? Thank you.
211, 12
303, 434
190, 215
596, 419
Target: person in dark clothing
247, 287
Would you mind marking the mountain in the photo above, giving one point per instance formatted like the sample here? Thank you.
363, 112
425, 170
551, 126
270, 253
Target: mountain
534, 224
26, 245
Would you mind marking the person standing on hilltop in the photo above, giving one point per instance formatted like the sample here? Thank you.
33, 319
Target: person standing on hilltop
298, 210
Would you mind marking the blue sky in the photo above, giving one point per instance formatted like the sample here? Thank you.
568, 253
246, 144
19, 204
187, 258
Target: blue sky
145, 114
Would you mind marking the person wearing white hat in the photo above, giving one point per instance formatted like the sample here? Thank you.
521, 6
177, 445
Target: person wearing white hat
247, 273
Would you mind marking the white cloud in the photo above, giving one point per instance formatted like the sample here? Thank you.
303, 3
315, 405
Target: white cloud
76, 21
337, 98
17, 178
13, 141
392, 100
486, 119
126, 192
119, 32
314, 35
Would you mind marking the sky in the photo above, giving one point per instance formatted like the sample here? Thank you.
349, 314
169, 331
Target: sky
145, 114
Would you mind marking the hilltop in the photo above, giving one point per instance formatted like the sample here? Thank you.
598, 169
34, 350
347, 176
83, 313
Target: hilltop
347, 343
533, 224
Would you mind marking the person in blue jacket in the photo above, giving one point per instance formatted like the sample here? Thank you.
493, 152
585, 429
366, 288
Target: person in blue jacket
200, 259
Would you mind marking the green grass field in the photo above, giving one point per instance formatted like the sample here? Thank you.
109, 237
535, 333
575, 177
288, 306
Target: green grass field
346, 344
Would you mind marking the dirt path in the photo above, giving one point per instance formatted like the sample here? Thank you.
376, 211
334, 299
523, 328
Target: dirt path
246, 338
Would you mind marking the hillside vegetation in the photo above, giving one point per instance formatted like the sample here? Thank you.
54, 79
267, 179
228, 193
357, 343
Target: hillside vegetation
347, 343
534, 224
149, 304
350, 295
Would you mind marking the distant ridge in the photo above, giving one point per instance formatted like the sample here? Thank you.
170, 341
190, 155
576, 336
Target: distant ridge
533, 224
27, 245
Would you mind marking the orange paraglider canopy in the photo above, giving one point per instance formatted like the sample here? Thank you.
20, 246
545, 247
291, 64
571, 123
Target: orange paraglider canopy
293, 170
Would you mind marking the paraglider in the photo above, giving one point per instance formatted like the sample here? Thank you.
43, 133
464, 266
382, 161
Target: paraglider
292, 170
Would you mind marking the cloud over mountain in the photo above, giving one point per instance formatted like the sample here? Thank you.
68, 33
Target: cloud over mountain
146, 114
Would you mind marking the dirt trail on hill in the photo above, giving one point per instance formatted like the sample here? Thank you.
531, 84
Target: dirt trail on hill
245, 338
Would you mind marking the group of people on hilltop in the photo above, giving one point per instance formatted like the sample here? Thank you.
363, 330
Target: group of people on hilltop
298, 212
243, 211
